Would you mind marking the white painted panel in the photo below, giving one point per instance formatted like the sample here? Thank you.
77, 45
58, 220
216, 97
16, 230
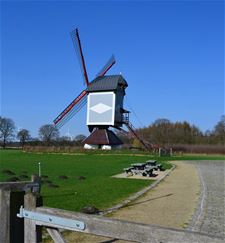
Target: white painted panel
101, 108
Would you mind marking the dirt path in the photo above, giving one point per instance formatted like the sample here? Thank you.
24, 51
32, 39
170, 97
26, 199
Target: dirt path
172, 203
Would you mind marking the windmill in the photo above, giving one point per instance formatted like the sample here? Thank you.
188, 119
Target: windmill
104, 97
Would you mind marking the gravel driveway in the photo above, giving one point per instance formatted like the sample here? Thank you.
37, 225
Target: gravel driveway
210, 214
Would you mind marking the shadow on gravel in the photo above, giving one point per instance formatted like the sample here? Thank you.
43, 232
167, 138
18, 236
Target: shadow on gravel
151, 199
109, 241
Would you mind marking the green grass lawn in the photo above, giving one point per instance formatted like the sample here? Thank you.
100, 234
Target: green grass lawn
99, 189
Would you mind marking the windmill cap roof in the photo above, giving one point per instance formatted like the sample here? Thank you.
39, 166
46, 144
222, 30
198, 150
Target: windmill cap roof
109, 82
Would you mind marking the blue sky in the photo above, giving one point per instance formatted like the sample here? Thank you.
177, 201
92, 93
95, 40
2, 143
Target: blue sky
170, 52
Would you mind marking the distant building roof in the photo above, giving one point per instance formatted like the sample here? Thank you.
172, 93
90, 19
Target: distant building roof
106, 83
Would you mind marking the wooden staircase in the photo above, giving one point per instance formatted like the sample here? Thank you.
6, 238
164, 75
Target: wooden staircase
132, 129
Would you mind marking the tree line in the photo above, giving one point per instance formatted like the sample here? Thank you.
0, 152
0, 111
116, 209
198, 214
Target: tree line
162, 132
47, 135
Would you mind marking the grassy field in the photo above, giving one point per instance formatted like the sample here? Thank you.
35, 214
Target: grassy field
97, 188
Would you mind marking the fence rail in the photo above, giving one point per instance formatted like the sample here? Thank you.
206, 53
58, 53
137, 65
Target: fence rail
28, 227
125, 230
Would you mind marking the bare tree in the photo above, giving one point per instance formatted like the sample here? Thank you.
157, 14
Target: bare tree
48, 133
79, 138
23, 135
7, 130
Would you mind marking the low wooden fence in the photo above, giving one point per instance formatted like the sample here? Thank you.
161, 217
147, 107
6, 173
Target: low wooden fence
23, 216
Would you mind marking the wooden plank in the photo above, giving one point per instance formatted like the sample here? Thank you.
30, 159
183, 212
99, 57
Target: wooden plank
32, 232
18, 186
21, 186
56, 235
125, 230
4, 216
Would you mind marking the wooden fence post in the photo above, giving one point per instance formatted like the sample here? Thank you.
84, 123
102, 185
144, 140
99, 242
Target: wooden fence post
160, 152
32, 233
11, 199
171, 151
11, 227
5, 216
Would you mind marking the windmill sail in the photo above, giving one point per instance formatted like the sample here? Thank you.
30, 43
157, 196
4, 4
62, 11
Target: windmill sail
77, 45
107, 66
72, 109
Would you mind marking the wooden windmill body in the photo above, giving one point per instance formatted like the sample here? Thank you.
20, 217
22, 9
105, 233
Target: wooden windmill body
104, 110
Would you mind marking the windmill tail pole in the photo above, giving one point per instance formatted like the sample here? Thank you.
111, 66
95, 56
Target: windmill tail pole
131, 128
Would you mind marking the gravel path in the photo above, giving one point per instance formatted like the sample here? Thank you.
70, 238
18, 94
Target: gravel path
210, 214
